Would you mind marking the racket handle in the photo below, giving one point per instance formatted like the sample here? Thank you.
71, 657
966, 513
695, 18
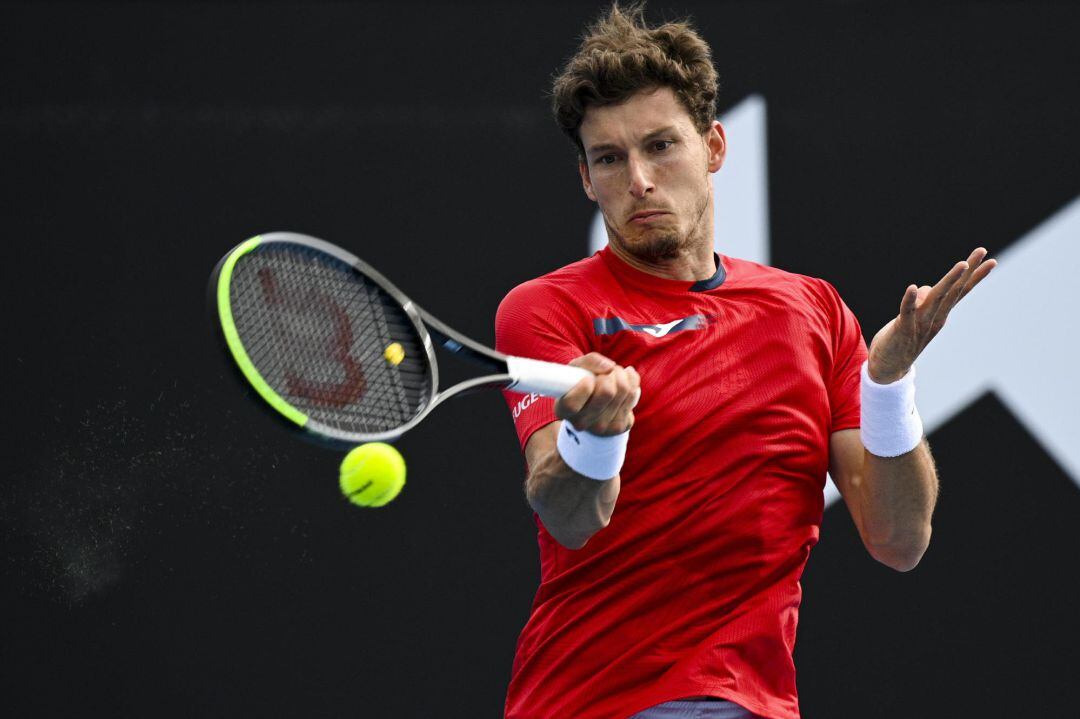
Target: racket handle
545, 378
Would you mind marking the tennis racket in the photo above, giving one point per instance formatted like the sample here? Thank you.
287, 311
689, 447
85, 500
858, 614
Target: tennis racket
337, 350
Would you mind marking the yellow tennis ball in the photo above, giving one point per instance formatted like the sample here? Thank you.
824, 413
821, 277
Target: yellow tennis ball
394, 353
372, 474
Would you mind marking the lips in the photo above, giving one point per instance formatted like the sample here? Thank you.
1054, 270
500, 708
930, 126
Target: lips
646, 215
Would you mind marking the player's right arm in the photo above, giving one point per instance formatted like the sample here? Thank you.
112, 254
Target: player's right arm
574, 507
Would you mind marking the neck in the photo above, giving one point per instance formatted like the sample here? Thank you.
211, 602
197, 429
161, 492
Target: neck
690, 265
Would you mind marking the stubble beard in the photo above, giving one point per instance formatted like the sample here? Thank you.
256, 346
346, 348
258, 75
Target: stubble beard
657, 246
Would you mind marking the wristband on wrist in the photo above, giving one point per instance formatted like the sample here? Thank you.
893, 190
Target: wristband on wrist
891, 425
591, 455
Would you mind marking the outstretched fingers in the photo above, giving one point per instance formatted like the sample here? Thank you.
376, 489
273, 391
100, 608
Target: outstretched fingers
909, 303
942, 297
946, 288
955, 285
973, 261
923, 311
980, 268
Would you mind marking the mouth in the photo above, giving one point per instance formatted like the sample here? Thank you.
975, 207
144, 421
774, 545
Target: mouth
645, 216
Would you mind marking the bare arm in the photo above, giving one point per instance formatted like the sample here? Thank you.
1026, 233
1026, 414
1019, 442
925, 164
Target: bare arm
891, 499
571, 506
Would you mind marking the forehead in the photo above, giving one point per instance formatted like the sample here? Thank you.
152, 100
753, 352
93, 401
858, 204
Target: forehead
635, 117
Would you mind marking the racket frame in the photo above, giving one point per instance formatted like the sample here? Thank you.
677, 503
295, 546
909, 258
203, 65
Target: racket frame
423, 321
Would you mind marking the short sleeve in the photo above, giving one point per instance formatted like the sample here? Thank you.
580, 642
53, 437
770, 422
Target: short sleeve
537, 321
849, 353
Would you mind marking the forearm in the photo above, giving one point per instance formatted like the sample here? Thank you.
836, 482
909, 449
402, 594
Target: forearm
571, 506
574, 465
896, 500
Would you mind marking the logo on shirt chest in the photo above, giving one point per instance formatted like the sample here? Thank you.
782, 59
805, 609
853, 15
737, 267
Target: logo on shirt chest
614, 325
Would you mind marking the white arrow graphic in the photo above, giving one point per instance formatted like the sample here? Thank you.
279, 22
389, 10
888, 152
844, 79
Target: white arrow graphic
661, 330
1017, 335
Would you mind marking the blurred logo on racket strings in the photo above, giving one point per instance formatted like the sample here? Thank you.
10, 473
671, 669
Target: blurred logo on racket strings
311, 310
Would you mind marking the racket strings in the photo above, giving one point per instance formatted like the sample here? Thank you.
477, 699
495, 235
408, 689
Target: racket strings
318, 331
384, 329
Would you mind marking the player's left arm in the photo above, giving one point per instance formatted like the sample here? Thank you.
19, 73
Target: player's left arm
891, 499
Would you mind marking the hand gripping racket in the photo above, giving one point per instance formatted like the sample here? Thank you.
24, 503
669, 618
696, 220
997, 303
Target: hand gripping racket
336, 349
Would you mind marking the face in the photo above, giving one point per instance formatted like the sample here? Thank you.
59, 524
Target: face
648, 168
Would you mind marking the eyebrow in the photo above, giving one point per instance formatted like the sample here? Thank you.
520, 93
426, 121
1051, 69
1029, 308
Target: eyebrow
605, 146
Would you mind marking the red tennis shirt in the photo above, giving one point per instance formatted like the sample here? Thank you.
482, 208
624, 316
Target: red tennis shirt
693, 588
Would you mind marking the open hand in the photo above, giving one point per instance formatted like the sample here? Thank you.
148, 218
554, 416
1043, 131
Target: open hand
923, 312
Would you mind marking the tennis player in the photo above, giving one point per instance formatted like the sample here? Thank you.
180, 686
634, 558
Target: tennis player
678, 494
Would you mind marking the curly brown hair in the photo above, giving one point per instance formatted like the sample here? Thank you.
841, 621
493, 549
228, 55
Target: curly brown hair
620, 55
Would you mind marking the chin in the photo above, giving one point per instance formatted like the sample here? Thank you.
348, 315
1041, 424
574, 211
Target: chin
656, 245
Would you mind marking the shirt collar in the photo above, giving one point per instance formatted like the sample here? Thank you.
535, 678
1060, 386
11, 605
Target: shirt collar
650, 282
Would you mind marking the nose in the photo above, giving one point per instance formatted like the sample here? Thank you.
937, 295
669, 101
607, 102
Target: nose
640, 182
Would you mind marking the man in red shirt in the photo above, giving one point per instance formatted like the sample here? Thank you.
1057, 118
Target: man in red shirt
671, 556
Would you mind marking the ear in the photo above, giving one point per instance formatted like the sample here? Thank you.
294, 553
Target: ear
586, 181
715, 145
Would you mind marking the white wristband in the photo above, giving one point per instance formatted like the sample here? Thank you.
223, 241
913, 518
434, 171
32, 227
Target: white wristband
891, 425
594, 456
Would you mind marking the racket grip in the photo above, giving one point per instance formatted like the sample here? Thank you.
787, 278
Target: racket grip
549, 379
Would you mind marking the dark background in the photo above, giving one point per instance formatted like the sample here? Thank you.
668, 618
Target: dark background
168, 550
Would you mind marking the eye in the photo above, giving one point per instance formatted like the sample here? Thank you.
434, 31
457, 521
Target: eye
661, 145
605, 160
